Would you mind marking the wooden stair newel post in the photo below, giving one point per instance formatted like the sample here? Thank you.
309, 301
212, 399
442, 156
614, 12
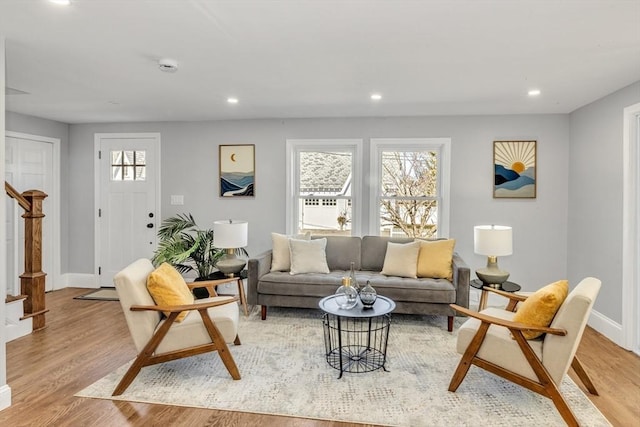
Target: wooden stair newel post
32, 281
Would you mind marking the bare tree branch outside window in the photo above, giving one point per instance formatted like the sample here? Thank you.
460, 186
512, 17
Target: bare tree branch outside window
409, 192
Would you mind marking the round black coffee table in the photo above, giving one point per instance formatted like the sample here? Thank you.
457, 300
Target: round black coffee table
355, 340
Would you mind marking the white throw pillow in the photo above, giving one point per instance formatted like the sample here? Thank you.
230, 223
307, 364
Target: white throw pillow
308, 256
401, 259
280, 258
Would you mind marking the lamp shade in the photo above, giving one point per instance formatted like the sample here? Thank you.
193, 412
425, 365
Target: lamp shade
492, 240
230, 233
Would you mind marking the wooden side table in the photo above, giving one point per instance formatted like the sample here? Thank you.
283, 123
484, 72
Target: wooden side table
506, 287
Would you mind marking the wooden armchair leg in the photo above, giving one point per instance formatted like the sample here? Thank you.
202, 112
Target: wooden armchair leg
467, 357
263, 314
221, 345
549, 388
228, 361
145, 355
130, 375
561, 405
584, 377
237, 340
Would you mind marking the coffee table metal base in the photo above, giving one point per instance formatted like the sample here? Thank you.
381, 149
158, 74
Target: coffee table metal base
356, 344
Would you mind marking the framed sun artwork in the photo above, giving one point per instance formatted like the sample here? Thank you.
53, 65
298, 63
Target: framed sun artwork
237, 170
514, 165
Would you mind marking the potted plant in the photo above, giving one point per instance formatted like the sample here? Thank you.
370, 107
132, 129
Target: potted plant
342, 219
187, 247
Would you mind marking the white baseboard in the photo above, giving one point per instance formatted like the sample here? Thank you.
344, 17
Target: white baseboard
5, 397
79, 280
606, 327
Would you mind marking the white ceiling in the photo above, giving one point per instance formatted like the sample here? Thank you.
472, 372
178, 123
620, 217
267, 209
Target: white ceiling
96, 60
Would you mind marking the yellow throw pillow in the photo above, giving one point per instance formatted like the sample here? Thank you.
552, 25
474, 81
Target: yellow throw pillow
540, 307
434, 259
167, 287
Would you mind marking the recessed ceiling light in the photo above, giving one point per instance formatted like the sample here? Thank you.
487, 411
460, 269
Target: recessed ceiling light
376, 97
232, 100
61, 2
168, 65
534, 92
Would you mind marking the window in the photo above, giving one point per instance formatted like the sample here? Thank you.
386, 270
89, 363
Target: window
409, 192
407, 184
128, 165
320, 174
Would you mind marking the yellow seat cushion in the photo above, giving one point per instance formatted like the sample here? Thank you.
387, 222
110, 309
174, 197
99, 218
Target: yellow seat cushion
540, 307
434, 259
167, 287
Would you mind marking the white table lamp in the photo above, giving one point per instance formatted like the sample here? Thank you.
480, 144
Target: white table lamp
492, 241
229, 235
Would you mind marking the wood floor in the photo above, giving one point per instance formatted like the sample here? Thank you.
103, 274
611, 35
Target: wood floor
85, 340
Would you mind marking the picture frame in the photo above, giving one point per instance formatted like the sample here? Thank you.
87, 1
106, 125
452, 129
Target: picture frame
514, 169
237, 170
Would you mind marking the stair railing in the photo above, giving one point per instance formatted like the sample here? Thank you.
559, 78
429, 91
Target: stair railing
32, 281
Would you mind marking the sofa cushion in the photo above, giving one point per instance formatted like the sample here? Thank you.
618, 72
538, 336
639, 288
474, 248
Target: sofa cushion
308, 256
434, 259
280, 258
401, 259
309, 284
320, 285
410, 290
374, 249
342, 251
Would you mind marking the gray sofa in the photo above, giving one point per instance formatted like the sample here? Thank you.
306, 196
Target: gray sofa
412, 296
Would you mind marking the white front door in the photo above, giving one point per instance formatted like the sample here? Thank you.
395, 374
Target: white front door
29, 165
128, 200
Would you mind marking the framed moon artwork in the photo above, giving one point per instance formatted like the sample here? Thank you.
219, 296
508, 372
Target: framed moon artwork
514, 166
237, 170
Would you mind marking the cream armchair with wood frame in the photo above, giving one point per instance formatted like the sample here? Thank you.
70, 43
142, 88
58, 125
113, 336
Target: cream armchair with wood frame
493, 341
209, 326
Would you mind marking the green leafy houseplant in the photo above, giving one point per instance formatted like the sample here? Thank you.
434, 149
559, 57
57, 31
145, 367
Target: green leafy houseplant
187, 247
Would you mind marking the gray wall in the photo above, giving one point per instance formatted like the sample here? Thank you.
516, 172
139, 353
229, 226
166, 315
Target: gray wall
190, 168
42, 127
595, 196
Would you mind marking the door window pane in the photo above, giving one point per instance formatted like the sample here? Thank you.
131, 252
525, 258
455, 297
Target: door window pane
128, 165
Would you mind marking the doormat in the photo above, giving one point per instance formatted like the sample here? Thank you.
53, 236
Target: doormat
102, 294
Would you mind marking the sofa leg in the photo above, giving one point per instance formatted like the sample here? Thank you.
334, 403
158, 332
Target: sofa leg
263, 312
450, 323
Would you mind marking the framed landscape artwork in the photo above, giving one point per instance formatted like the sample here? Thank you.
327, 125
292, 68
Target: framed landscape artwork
514, 165
237, 170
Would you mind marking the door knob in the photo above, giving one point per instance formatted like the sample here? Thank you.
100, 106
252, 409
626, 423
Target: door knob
150, 225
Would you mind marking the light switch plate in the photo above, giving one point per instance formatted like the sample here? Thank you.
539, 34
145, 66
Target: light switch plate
177, 199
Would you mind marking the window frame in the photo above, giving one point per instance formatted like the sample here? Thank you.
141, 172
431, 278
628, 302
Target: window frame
296, 146
440, 145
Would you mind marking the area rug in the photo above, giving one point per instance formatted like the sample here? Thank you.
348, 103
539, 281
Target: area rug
284, 372
102, 294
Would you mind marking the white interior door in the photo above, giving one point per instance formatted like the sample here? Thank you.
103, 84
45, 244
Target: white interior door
29, 162
128, 205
